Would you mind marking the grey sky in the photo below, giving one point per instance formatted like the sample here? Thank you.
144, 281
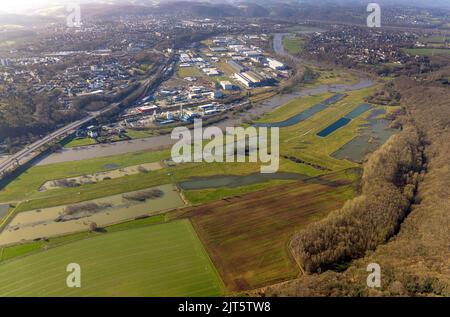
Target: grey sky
27, 6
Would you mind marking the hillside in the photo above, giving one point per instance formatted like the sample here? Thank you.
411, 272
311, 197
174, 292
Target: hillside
414, 258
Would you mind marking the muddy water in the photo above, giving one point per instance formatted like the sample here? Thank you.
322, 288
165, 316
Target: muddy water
375, 133
233, 181
3, 210
36, 224
101, 176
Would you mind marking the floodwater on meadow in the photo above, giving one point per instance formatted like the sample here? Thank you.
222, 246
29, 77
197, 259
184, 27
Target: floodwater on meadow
233, 181
334, 126
37, 224
344, 120
101, 176
373, 134
3, 210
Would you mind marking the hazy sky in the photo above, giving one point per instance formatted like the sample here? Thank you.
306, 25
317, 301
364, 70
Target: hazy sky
19, 6
25, 6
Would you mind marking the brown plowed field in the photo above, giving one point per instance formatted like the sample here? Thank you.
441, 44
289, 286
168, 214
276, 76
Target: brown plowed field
247, 237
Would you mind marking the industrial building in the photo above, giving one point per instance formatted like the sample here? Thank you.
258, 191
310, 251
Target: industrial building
250, 79
275, 65
238, 68
226, 85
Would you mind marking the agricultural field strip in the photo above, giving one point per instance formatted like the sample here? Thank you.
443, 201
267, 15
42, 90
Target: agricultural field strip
108, 216
111, 174
33, 178
217, 238
171, 246
306, 114
20, 250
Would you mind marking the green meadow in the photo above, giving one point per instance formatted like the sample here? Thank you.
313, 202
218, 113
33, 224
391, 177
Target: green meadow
158, 260
428, 51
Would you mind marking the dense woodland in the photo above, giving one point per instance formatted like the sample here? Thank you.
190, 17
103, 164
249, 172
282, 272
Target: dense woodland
389, 184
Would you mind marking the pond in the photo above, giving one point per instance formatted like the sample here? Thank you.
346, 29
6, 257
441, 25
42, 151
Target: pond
161, 141
374, 134
344, 120
302, 116
333, 127
233, 181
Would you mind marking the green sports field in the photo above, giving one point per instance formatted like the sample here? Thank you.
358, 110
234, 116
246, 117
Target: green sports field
293, 45
428, 51
80, 142
159, 260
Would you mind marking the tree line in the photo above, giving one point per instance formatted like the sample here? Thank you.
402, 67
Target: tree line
389, 183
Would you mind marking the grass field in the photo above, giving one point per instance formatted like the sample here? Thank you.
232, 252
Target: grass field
438, 39
184, 72
332, 77
139, 134
428, 51
80, 142
200, 196
247, 236
293, 45
300, 140
30, 181
294, 107
25, 187
101, 176
18, 250
226, 68
159, 260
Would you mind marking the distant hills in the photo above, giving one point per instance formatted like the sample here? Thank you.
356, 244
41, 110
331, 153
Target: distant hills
207, 8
